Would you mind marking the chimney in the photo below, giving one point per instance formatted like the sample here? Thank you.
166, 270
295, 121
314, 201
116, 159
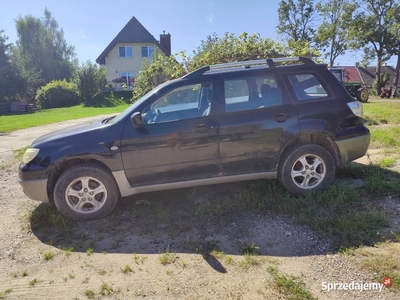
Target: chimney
165, 41
357, 64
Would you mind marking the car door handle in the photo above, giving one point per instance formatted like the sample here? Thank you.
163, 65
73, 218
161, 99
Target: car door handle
203, 128
281, 117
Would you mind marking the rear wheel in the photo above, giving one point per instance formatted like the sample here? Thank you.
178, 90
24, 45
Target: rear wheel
306, 167
85, 192
362, 95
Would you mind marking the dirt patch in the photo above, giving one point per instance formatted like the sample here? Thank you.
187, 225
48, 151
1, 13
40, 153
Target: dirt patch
157, 246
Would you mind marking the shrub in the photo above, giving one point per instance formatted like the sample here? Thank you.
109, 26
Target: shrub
90, 79
106, 99
57, 93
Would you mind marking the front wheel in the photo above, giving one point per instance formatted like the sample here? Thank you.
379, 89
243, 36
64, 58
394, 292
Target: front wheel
307, 167
85, 192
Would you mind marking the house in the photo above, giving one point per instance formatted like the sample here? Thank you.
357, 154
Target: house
124, 56
366, 75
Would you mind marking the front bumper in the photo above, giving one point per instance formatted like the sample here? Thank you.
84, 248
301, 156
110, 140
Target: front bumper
35, 189
353, 148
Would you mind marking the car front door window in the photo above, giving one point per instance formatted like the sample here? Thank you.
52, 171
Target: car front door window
186, 102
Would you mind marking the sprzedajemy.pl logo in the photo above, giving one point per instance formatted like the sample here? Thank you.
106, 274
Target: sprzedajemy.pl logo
356, 285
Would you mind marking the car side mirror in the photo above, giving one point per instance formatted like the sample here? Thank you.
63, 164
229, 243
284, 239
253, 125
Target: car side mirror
137, 120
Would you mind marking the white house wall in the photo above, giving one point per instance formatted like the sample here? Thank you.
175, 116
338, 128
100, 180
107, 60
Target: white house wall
115, 64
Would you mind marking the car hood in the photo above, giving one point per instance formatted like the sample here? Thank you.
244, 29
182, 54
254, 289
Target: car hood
70, 131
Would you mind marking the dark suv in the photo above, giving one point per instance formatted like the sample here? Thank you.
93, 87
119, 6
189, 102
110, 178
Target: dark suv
285, 118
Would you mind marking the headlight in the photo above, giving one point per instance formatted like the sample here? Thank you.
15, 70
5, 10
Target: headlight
29, 155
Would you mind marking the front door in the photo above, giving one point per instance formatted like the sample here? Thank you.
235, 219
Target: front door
178, 141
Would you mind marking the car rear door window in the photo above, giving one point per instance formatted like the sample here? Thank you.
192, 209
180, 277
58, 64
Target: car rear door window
251, 93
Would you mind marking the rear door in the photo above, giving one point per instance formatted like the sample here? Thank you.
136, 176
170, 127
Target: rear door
256, 122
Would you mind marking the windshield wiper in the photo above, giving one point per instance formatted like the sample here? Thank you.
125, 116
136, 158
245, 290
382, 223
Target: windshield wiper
106, 120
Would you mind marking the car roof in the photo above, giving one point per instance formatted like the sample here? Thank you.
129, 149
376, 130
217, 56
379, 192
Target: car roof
250, 65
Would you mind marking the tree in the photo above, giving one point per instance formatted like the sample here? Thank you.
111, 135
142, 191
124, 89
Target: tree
41, 51
216, 50
296, 19
371, 29
395, 32
162, 69
333, 31
11, 83
90, 80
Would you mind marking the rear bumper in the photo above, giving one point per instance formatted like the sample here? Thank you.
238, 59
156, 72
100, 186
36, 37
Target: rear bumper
35, 189
353, 148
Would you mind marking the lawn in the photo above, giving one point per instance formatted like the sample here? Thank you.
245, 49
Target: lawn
9, 123
383, 120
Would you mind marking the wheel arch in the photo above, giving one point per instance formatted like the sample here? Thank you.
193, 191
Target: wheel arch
319, 138
65, 165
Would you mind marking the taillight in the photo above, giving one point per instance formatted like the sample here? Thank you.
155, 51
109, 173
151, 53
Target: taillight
356, 108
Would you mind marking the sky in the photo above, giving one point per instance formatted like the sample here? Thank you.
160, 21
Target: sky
90, 25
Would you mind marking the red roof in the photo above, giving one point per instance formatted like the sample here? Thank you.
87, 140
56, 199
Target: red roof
351, 74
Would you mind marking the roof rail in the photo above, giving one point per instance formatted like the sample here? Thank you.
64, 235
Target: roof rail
271, 62
196, 73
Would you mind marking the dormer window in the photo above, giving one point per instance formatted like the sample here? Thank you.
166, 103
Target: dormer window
147, 51
125, 51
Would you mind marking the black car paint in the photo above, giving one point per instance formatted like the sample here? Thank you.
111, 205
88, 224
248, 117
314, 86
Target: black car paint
216, 145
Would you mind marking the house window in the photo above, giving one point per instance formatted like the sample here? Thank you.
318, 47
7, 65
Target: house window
125, 51
147, 51
127, 77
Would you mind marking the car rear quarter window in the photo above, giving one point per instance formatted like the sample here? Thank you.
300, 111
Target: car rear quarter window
307, 87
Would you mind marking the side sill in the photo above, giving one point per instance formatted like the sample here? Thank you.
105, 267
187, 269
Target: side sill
127, 190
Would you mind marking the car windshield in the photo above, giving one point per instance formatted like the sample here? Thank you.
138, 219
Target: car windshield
132, 108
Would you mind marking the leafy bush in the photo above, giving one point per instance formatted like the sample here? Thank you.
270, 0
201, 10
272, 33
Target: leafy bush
90, 79
160, 70
57, 93
107, 99
125, 96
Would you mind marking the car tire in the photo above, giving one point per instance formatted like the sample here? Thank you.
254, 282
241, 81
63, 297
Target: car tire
362, 95
86, 192
306, 167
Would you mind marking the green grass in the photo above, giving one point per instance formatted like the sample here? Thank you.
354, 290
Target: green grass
89, 294
290, 286
249, 249
126, 269
387, 137
9, 123
387, 162
48, 255
46, 216
349, 214
33, 282
168, 258
378, 113
3, 295
382, 264
249, 261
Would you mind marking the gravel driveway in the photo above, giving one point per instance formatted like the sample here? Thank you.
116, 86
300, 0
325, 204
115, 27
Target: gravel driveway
120, 257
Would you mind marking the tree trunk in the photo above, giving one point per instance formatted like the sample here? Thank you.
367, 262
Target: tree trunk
396, 78
378, 76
